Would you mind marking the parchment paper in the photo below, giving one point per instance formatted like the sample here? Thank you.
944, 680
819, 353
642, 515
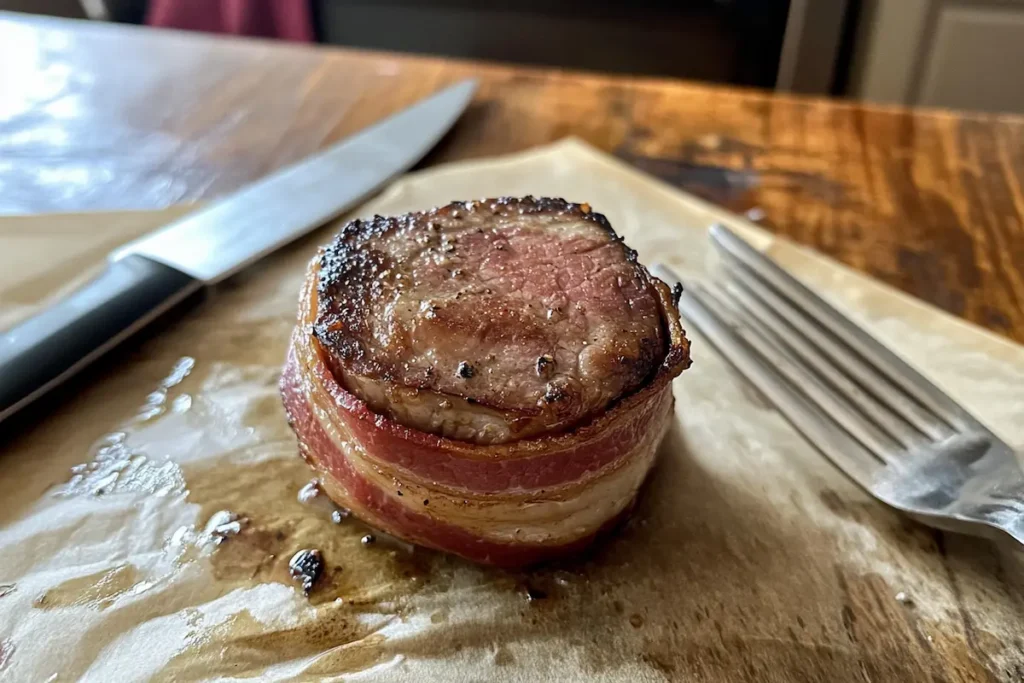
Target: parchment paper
747, 557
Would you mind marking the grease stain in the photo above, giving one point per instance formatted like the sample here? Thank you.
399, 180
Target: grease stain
96, 591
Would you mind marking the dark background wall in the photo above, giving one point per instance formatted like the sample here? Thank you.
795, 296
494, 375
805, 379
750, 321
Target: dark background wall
727, 41
735, 41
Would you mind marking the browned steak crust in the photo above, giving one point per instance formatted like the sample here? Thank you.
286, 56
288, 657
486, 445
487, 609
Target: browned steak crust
531, 311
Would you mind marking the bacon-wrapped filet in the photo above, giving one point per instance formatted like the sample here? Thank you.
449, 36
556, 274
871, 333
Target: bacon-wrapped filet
488, 378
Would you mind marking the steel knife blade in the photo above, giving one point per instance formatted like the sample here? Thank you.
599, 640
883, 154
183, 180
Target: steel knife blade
150, 275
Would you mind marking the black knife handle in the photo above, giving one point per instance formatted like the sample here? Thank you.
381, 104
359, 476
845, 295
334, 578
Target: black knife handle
40, 353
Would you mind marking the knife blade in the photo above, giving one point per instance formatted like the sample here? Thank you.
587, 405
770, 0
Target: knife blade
145, 278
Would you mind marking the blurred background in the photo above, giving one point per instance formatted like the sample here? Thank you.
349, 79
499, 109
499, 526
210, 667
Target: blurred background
942, 53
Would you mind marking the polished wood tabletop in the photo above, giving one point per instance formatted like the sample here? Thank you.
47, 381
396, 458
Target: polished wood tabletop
99, 116
96, 116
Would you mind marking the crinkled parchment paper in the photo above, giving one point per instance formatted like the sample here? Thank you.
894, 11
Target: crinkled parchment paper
749, 557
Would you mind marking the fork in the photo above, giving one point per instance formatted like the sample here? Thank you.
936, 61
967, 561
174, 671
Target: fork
877, 419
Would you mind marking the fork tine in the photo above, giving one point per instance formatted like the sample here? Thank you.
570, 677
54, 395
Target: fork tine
895, 369
832, 354
844, 451
760, 338
770, 325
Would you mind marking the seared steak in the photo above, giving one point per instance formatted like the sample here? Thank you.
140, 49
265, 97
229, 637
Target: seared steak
488, 321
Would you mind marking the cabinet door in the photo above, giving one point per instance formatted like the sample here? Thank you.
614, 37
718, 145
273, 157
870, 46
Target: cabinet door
963, 54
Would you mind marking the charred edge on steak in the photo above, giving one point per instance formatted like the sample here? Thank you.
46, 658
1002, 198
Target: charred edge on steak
356, 271
677, 292
676, 355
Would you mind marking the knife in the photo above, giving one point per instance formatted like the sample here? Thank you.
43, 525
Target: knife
152, 274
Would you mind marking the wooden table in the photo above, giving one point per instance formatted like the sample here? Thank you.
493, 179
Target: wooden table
97, 116
103, 117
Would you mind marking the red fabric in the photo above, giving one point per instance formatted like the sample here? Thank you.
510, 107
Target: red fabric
285, 19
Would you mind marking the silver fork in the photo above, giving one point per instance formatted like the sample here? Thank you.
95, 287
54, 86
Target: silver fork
876, 418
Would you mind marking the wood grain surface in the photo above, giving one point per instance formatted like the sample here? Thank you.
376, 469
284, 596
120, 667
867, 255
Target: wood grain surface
104, 117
